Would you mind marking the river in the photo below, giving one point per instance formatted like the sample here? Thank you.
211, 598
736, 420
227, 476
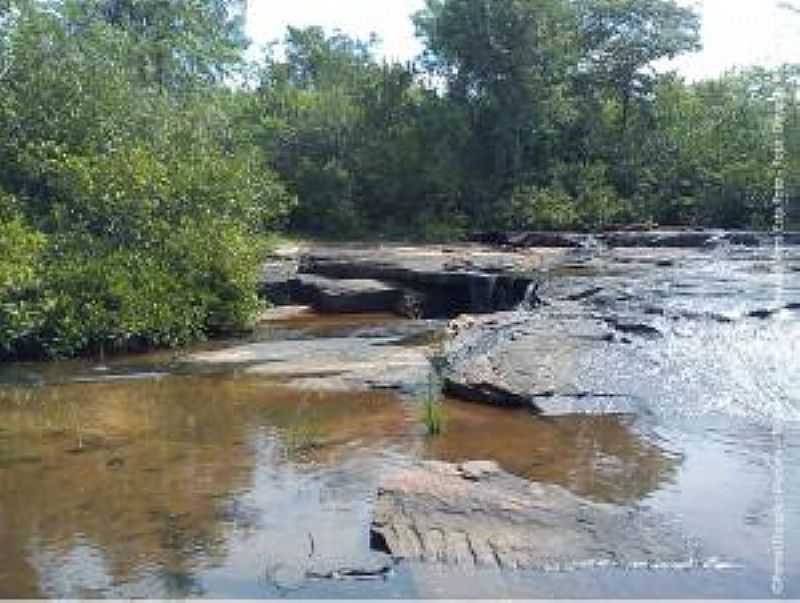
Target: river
140, 477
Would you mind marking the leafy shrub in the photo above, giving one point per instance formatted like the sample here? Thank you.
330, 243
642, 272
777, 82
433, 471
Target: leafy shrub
327, 207
579, 198
542, 208
20, 253
138, 209
597, 203
147, 249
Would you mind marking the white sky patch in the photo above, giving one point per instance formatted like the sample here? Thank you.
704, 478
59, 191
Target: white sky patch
740, 33
389, 19
735, 32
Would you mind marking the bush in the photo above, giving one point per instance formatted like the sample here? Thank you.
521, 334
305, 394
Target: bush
542, 208
200, 280
328, 208
138, 207
20, 252
579, 197
596, 201
147, 249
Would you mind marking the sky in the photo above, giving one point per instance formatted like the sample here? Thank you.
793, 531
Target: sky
390, 19
735, 32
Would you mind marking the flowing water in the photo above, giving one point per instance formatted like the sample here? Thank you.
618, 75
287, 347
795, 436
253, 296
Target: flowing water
142, 478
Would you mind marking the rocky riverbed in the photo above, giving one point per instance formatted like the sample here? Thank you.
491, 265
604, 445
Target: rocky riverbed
558, 330
616, 420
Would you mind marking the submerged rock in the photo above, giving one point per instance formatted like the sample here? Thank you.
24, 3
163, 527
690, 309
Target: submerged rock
377, 569
476, 514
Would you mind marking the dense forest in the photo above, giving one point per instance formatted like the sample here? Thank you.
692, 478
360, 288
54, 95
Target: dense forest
145, 161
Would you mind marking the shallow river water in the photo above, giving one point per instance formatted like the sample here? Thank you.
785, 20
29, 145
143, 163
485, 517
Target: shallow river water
137, 477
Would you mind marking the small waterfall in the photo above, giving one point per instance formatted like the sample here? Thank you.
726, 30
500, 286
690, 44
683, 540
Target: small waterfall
481, 292
531, 298
593, 244
491, 285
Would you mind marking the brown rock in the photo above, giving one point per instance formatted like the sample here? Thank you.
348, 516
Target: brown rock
477, 514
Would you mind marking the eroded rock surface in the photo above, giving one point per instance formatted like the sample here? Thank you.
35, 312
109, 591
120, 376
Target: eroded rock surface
556, 360
476, 514
347, 295
623, 331
413, 281
439, 281
335, 363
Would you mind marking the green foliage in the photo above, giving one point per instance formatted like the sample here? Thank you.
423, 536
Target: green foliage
709, 159
531, 114
150, 250
200, 282
596, 201
180, 230
542, 208
580, 198
622, 39
432, 409
433, 416
506, 65
137, 214
172, 45
20, 272
303, 435
365, 149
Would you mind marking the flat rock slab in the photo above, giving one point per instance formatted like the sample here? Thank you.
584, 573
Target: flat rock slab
625, 331
335, 363
476, 514
444, 280
429, 264
347, 295
558, 360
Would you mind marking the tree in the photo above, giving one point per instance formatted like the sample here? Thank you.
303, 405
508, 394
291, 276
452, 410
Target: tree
173, 42
7, 17
507, 63
708, 159
308, 111
622, 42
365, 147
623, 39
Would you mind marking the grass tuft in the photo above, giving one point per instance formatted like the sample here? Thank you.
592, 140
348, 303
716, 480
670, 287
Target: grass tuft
432, 412
303, 436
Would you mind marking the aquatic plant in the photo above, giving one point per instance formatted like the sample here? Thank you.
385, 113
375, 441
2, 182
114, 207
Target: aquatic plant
432, 412
303, 435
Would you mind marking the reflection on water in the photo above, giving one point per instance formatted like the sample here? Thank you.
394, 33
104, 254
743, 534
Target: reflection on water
150, 487
146, 475
598, 457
